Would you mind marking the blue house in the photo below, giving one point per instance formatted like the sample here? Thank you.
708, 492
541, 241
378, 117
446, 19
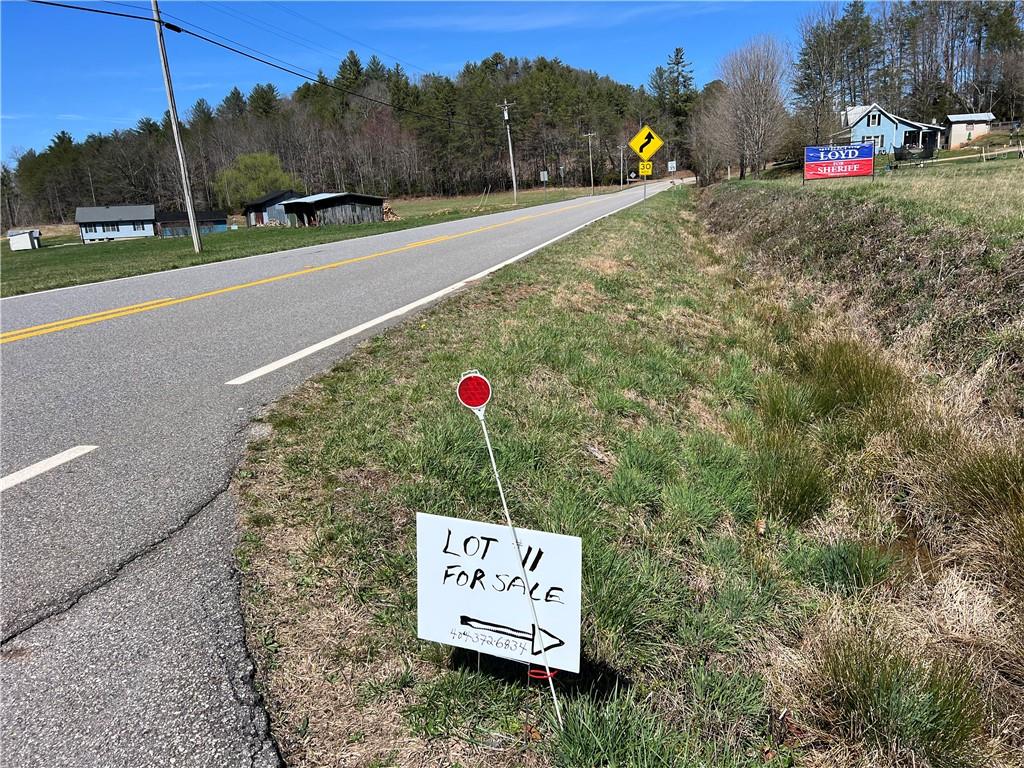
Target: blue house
175, 223
888, 132
114, 222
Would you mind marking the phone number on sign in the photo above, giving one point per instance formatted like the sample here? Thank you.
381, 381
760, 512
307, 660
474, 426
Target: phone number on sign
488, 640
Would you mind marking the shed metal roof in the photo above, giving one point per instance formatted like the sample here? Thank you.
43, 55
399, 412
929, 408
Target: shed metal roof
972, 117
322, 196
261, 201
101, 213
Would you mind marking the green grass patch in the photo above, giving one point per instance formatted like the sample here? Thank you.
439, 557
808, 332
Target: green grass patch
890, 699
850, 567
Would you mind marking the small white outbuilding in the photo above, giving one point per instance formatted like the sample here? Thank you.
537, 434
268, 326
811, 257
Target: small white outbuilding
963, 129
23, 240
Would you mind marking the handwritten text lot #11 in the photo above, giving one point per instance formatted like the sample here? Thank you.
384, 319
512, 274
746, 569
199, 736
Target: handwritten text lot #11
471, 591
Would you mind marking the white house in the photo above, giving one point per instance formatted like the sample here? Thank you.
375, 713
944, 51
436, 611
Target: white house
963, 129
115, 222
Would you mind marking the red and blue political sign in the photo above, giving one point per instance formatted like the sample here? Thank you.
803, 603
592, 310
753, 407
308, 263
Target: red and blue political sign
836, 162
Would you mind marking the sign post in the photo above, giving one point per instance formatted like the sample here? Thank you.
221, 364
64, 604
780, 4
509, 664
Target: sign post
544, 179
836, 162
474, 392
645, 144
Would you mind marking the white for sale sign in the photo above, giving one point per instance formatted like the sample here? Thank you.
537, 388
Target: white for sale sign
471, 592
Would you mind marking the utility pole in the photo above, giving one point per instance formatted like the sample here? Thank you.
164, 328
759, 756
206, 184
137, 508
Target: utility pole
511, 160
186, 185
590, 153
622, 178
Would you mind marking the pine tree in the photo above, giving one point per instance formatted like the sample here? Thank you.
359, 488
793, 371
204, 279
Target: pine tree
233, 107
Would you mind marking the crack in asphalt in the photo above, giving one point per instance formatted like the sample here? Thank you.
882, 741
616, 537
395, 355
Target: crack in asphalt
51, 610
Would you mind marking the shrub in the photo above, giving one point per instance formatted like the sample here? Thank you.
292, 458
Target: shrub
849, 567
876, 692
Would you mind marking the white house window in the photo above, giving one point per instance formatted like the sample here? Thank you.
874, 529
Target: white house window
970, 126
111, 227
137, 226
90, 227
874, 120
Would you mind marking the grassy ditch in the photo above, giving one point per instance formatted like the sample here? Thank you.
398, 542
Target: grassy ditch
63, 260
750, 481
934, 258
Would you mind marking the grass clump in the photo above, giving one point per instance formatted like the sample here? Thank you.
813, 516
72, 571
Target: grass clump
628, 602
842, 374
461, 701
877, 692
850, 567
789, 477
984, 487
622, 731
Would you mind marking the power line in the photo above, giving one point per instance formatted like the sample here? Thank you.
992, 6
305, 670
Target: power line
257, 24
321, 25
290, 69
216, 34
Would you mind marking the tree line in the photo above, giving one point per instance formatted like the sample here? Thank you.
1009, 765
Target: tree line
921, 60
918, 59
439, 135
433, 136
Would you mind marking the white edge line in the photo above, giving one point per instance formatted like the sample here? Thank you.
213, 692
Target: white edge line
45, 465
295, 356
297, 251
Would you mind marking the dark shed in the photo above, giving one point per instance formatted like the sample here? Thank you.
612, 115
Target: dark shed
268, 208
335, 208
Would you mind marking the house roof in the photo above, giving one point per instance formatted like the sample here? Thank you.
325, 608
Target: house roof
972, 117
183, 216
895, 118
102, 213
853, 114
271, 197
341, 196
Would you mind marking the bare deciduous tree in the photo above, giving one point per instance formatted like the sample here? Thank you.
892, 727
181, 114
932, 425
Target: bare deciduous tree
754, 76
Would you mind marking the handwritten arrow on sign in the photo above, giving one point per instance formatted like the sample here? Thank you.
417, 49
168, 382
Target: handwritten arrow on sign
648, 140
536, 635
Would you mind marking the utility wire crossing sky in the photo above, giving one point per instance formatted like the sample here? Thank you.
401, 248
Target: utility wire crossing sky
88, 73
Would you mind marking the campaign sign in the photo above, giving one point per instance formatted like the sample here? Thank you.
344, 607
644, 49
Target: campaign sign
836, 162
471, 592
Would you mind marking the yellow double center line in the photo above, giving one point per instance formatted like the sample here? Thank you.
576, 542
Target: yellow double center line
147, 306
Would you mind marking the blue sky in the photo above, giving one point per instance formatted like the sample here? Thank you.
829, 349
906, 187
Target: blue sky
85, 73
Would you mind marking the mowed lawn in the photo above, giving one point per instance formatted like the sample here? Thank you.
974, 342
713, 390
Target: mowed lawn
758, 489
65, 261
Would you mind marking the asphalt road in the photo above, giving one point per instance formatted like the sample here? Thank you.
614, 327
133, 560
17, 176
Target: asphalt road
122, 633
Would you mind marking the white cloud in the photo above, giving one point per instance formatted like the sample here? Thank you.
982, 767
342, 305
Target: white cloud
550, 16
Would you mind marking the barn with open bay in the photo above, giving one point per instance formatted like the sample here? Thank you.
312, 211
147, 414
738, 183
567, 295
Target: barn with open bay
328, 208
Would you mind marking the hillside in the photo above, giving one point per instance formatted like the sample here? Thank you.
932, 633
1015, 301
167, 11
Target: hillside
933, 257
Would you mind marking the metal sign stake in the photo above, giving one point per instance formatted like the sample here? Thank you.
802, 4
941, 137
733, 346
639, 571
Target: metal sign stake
519, 559
479, 411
